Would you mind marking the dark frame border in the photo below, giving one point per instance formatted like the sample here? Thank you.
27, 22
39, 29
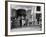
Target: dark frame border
6, 18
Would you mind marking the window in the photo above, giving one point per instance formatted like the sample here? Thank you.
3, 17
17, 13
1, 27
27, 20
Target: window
38, 8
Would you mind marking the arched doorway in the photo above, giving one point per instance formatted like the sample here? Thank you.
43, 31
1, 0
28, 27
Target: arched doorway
22, 14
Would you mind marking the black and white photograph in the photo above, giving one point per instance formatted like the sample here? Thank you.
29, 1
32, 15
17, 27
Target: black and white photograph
25, 18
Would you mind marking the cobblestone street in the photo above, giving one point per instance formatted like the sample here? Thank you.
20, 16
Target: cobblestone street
31, 28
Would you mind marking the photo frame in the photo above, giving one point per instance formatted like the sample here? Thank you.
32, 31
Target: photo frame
24, 18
